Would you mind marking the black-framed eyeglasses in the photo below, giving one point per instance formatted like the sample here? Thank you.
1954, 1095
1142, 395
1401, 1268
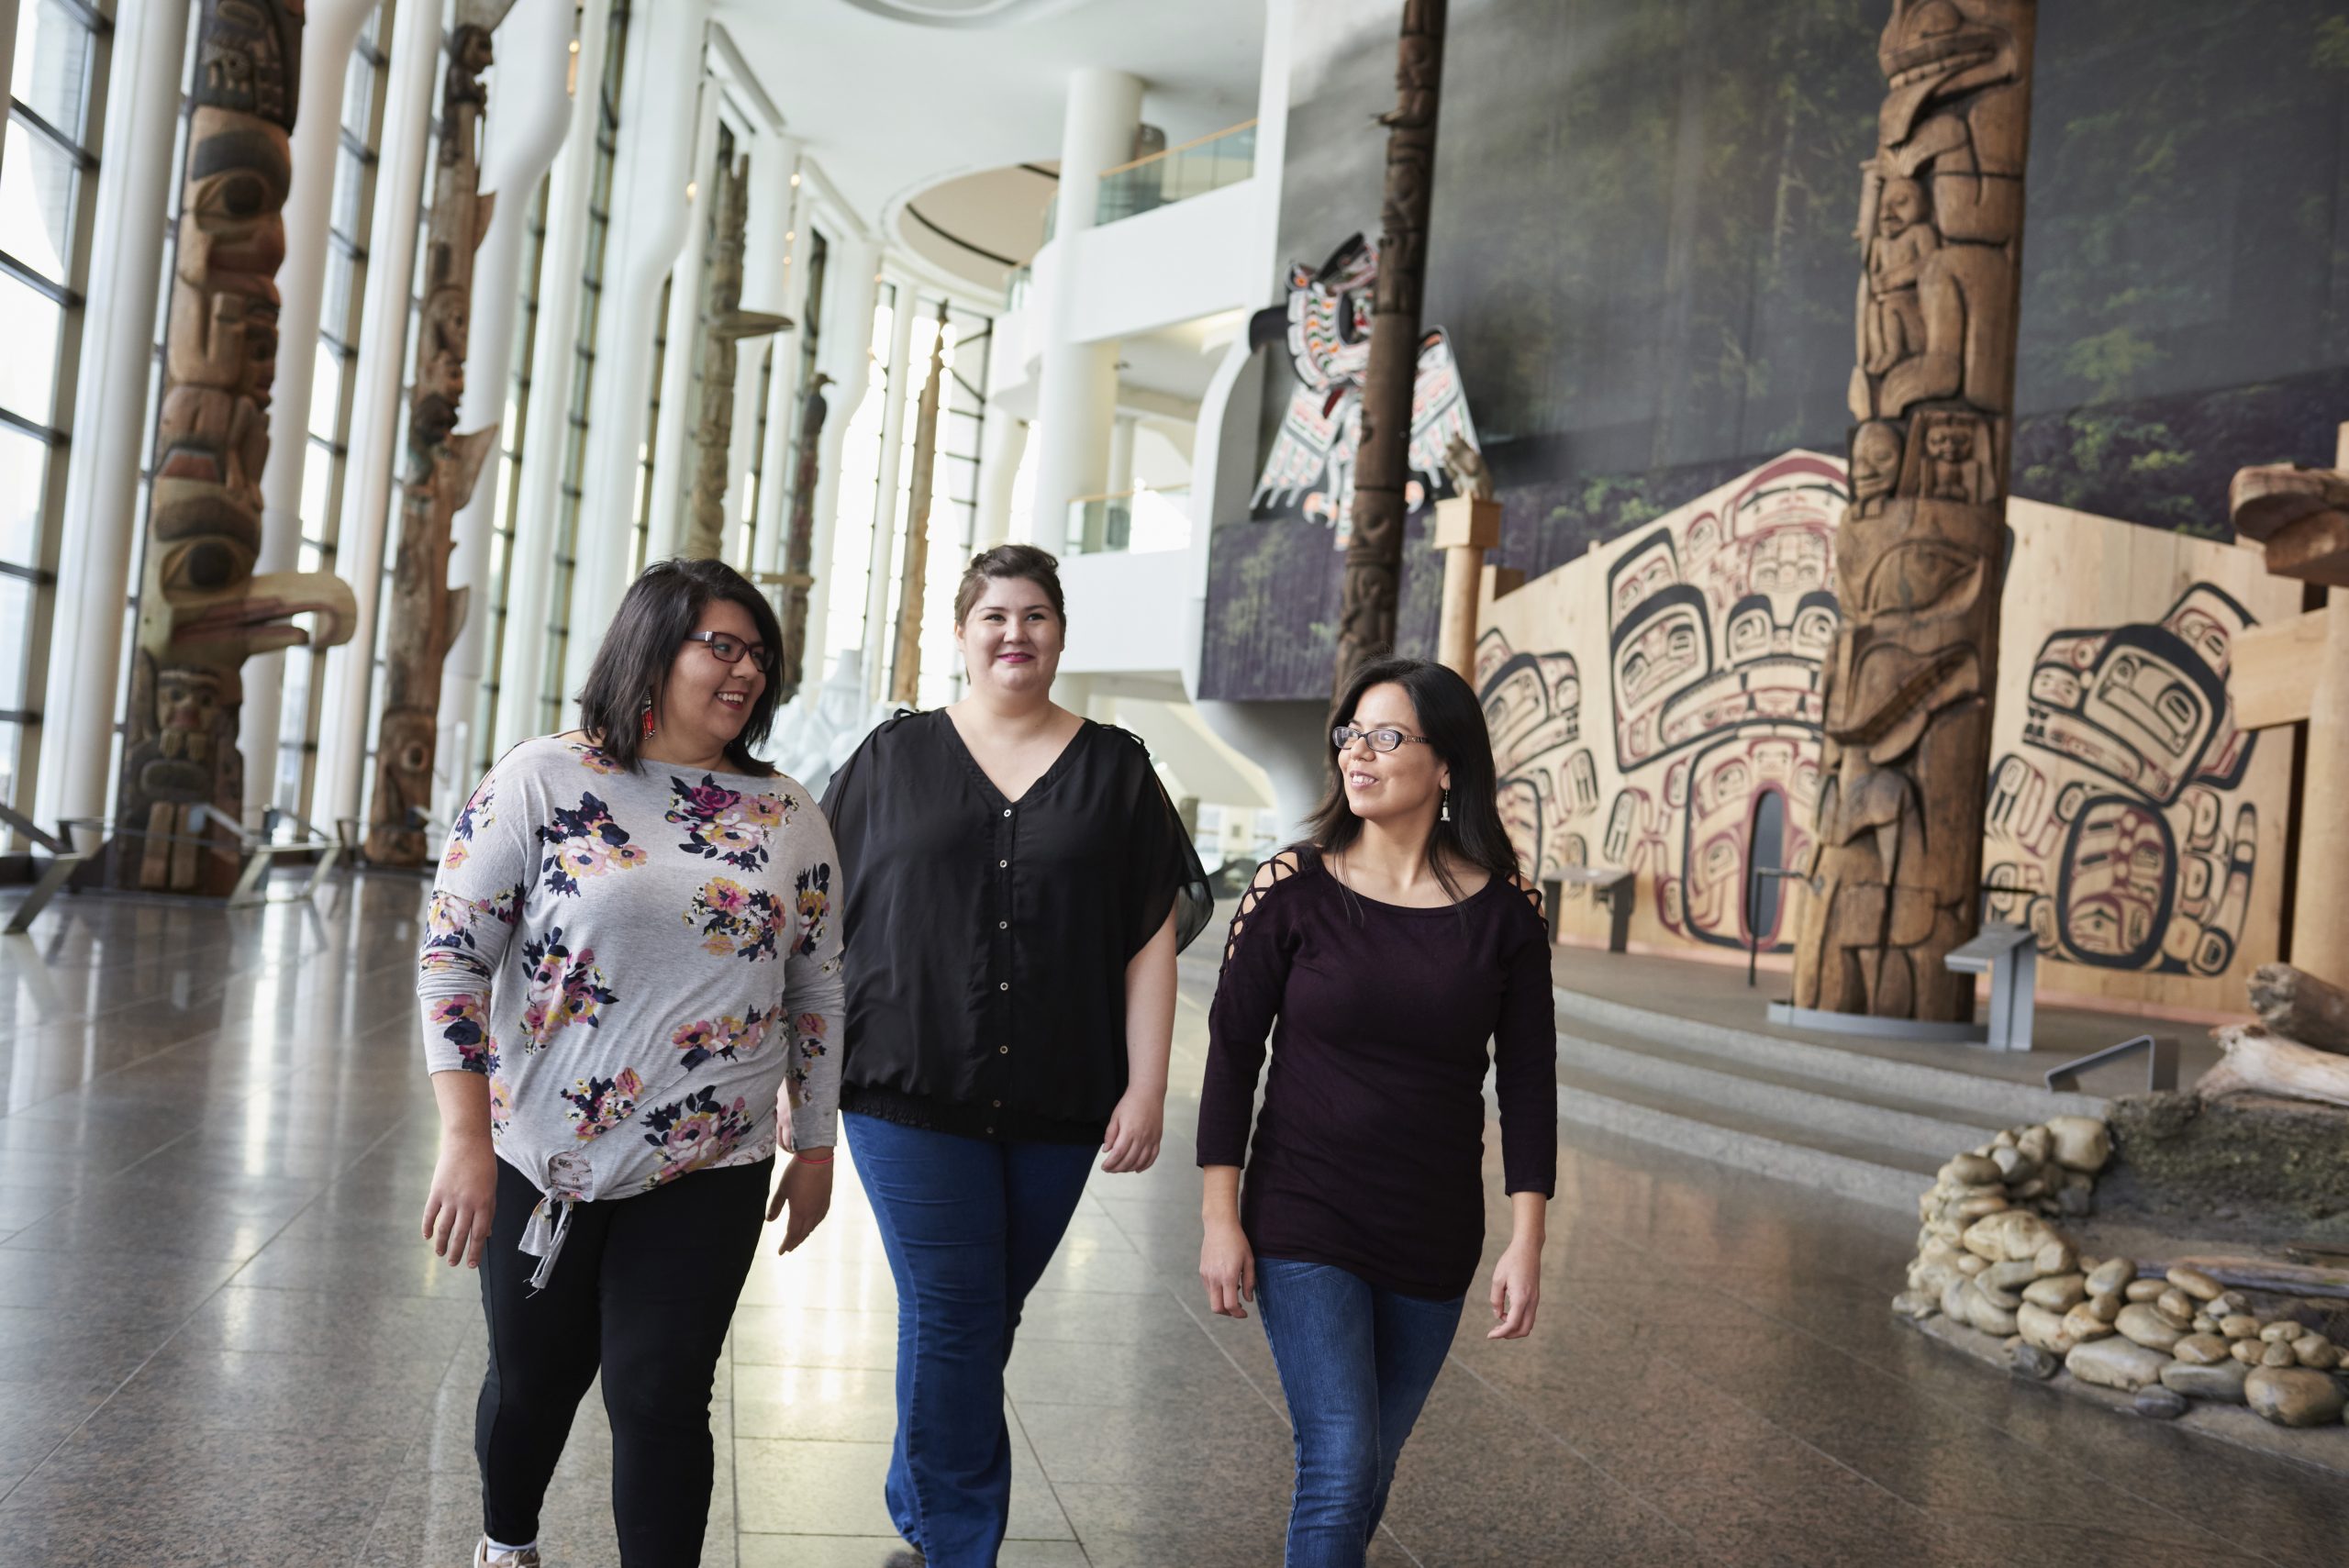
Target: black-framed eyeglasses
730, 650
1346, 735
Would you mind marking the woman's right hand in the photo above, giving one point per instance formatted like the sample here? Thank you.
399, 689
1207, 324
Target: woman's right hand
1227, 1268
463, 1198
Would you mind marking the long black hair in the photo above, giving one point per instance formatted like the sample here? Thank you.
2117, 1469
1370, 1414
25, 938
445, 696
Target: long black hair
1449, 716
661, 610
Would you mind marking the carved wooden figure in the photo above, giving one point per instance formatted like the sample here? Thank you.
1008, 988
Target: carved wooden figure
1375, 552
905, 668
426, 611
800, 542
202, 612
1919, 553
726, 325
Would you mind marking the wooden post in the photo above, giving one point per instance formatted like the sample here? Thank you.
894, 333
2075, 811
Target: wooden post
800, 543
905, 668
443, 466
1919, 557
202, 612
1374, 550
726, 325
1466, 526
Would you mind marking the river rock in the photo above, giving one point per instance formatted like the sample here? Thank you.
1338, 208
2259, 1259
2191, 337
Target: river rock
1996, 1317
2147, 1327
2222, 1382
2247, 1352
1957, 1293
2278, 1353
2111, 1276
2056, 1258
2205, 1324
2317, 1352
2143, 1290
2011, 1276
1915, 1304
2117, 1363
2230, 1303
2106, 1306
2013, 1234
2037, 1143
2082, 1325
2195, 1283
2240, 1326
2045, 1329
2058, 1294
2031, 1361
2203, 1349
2160, 1404
1970, 1265
1972, 1171
2079, 1143
2283, 1331
2294, 1396
2177, 1304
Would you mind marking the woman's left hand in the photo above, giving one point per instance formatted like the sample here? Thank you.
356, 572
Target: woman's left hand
806, 1191
1135, 1128
1517, 1291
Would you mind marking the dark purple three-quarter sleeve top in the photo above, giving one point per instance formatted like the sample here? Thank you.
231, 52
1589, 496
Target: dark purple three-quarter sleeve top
1369, 1151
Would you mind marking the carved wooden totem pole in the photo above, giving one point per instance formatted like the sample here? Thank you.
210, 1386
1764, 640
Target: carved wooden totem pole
726, 325
202, 612
905, 668
443, 466
1919, 555
800, 542
1375, 552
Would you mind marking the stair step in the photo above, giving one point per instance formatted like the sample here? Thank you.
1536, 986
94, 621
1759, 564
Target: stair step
1852, 1168
1960, 1094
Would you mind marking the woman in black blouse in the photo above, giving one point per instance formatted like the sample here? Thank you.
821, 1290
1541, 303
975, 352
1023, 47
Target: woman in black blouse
1022, 886
1390, 948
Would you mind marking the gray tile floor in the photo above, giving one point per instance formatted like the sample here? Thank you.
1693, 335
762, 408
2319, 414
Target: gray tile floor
220, 1345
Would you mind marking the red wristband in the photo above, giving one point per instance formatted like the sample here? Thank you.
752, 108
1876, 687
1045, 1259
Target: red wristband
807, 1157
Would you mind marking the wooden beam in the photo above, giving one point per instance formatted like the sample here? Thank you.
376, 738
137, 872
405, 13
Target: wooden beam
2268, 666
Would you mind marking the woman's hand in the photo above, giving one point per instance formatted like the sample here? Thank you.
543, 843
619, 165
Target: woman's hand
806, 1191
1227, 1268
1517, 1290
463, 1198
1135, 1128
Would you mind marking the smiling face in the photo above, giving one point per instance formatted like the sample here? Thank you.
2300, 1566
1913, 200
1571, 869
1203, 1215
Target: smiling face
1391, 788
1011, 639
707, 701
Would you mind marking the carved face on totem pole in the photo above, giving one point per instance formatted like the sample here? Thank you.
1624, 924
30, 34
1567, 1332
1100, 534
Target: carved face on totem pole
1920, 556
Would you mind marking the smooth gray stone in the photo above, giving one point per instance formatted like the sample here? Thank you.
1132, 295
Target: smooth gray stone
2294, 1396
2221, 1384
2160, 1404
2030, 1361
2116, 1362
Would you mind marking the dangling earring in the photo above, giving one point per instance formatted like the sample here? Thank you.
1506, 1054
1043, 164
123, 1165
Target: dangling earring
648, 718
1447, 806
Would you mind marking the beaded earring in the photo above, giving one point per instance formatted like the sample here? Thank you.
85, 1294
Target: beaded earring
1447, 806
648, 718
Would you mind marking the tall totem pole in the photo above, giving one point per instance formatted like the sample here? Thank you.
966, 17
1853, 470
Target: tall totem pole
443, 466
1921, 553
202, 612
726, 325
799, 542
1375, 552
904, 668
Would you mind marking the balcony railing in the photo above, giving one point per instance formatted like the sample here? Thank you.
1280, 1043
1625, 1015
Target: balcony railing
1207, 164
1132, 522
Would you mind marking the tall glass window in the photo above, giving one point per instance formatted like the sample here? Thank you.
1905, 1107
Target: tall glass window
859, 495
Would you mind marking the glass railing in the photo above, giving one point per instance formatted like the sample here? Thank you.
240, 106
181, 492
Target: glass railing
1177, 175
1132, 522
1016, 286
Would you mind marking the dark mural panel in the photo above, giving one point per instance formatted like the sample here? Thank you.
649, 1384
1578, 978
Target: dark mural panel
1642, 252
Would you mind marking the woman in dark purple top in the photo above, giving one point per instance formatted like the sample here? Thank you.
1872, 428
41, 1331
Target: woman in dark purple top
1380, 957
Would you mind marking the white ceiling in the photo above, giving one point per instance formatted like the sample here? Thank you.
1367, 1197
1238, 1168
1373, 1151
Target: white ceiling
891, 106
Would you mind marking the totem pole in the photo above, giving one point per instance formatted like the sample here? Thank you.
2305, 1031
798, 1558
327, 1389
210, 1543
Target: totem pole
726, 325
1375, 552
905, 668
202, 612
443, 466
800, 543
1921, 553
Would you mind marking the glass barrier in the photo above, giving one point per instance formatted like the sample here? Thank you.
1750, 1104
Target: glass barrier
1178, 173
1016, 287
1132, 522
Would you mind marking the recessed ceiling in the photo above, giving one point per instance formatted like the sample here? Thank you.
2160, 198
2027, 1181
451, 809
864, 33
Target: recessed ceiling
981, 226
963, 13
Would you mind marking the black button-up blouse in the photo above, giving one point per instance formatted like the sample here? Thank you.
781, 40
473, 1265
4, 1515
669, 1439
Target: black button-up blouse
987, 939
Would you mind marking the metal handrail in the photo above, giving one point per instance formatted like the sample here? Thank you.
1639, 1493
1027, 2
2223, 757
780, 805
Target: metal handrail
1169, 151
2161, 1063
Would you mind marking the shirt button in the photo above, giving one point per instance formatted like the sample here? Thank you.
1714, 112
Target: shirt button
1006, 811
1003, 864
1003, 925
1003, 1051
997, 1104
990, 1132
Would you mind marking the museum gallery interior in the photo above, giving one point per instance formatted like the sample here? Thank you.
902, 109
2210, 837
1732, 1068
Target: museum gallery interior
1881, 468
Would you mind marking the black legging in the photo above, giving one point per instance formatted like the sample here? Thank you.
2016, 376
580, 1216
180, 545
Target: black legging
644, 1289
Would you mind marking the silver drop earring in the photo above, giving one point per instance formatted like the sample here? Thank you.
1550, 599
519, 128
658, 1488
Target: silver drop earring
1447, 806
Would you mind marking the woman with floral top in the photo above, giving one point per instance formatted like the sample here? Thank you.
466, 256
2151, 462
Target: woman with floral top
631, 988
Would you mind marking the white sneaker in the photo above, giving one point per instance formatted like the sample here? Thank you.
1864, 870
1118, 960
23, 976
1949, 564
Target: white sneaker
485, 1557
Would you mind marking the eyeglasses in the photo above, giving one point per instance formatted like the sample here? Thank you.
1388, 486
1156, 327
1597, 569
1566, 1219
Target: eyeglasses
1346, 735
730, 651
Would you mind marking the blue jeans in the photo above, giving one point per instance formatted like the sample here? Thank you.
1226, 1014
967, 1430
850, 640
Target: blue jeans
1356, 1363
969, 1226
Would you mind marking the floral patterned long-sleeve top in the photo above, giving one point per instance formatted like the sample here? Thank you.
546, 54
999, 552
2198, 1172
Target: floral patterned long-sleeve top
641, 964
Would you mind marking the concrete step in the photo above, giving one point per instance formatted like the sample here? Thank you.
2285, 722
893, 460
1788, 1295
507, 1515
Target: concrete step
1890, 1178
1884, 1073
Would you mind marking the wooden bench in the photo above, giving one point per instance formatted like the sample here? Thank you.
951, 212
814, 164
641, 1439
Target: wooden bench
1610, 885
2010, 955
64, 861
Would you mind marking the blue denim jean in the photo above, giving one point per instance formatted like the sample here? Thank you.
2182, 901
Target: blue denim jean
1356, 1363
968, 1226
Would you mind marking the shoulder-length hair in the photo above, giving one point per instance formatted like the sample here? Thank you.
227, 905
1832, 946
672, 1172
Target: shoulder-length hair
1451, 718
631, 666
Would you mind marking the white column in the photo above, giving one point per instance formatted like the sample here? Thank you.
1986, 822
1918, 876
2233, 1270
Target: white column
330, 31
658, 115
878, 640
999, 452
1077, 382
554, 362
1120, 476
528, 112
377, 427
102, 516
7, 47
673, 447
845, 355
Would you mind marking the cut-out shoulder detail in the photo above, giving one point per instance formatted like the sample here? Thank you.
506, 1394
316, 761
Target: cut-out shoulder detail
1279, 869
1532, 893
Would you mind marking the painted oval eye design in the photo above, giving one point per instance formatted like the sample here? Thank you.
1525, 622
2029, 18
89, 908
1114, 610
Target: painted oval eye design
1922, 576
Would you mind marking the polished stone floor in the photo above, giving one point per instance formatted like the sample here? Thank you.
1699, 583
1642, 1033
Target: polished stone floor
221, 1344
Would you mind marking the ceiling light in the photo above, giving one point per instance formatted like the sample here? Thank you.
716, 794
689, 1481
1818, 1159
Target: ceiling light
794, 176
692, 188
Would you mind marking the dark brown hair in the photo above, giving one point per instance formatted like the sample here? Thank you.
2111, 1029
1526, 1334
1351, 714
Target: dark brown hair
1009, 563
632, 663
